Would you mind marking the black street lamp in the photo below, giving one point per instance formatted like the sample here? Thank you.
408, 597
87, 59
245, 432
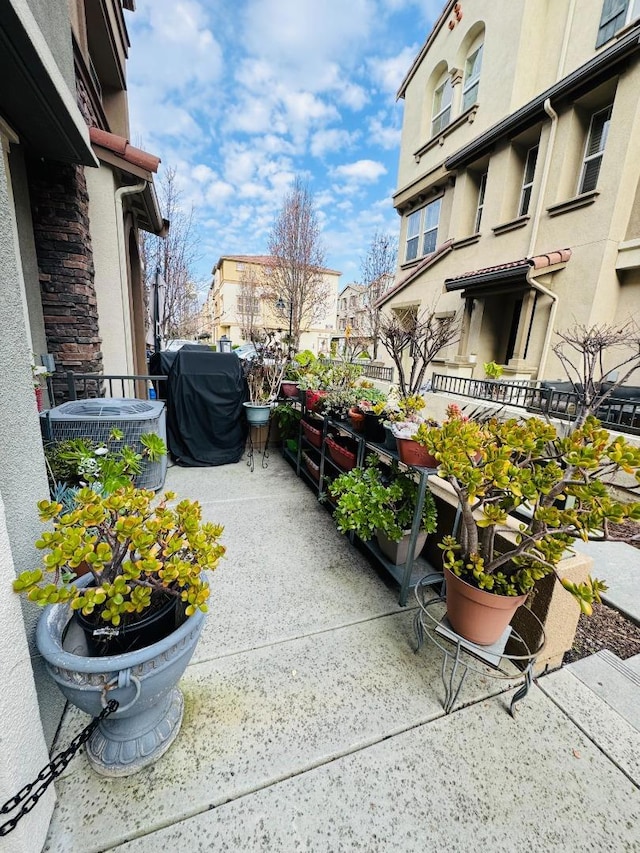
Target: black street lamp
281, 305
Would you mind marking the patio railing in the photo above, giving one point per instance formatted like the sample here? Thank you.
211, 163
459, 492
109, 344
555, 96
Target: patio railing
373, 371
616, 413
81, 386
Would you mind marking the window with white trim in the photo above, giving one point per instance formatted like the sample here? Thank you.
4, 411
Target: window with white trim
482, 186
527, 180
472, 69
422, 230
248, 305
616, 14
441, 114
594, 150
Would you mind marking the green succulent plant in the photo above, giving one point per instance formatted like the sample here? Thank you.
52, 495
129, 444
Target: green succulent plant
498, 467
132, 549
367, 500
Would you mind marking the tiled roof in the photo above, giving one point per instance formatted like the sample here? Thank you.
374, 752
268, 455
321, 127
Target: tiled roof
120, 146
558, 256
264, 260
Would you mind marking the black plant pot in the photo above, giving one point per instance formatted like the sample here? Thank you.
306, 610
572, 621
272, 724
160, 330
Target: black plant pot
155, 623
373, 429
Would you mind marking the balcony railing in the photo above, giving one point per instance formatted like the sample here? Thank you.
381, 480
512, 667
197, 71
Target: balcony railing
82, 386
615, 413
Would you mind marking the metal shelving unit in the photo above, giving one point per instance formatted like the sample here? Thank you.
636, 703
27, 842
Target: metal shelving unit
407, 574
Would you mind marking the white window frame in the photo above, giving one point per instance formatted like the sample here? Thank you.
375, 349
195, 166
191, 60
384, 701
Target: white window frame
472, 80
441, 116
423, 231
241, 305
587, 158
615, 21
482, 188
527, 185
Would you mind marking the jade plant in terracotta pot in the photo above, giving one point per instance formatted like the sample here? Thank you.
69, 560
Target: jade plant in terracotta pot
372, 502
557, 483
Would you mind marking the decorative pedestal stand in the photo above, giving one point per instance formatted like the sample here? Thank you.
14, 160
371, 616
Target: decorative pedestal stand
265, 449
460, 655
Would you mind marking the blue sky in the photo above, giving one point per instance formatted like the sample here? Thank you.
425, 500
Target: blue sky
239, 96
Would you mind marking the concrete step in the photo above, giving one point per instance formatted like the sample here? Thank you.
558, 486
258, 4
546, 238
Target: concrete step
633, 663
614, 681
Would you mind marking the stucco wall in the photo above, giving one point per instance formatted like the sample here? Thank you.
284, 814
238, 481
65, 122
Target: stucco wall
22, 484
52, 17
113, 311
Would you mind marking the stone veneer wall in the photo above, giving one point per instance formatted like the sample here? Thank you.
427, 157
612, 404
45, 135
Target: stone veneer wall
60, 207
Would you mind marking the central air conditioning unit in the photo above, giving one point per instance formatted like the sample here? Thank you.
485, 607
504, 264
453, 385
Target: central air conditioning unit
94, 419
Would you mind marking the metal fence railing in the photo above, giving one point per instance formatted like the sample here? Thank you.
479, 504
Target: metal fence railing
616, 413
373, 371
81, 386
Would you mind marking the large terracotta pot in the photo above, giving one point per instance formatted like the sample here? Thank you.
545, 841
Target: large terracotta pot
478, 615
412, 453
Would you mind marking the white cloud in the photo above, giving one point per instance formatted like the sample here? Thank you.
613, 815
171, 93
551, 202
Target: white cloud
366, 171
332, 139
390, 72
383, 134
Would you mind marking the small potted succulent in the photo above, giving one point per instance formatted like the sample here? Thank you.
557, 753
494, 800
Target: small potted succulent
501, 468
127, 629
405, 421
372, 502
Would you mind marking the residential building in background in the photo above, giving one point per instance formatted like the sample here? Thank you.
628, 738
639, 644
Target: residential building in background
73, 194
236, 305
518, 180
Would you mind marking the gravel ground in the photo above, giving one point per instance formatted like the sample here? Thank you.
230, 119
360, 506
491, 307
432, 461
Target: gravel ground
606, 628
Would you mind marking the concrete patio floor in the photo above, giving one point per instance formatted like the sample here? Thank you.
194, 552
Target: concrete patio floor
311, 724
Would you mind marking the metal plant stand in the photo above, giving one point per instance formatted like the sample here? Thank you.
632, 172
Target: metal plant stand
459, 656
265, 451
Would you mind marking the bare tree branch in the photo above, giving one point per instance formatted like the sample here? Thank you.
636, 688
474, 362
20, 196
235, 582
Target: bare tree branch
377, 268
582, 352
176, 257
423, 334
295, 273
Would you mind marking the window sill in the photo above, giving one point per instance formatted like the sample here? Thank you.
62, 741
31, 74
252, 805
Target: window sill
466, 241
467, 116
573, 203
512, 225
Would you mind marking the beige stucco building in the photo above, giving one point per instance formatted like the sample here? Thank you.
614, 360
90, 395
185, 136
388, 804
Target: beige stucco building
518, 180
236, 303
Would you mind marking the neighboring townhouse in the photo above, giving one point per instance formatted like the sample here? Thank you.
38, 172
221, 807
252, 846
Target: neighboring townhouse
73, 194
352, 311
236, 304
518, 180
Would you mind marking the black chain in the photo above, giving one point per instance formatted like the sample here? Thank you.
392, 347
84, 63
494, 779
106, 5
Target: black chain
50, 772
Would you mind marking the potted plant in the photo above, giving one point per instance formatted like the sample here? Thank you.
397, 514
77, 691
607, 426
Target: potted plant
406, 419
290, 379
500, 468
372, 503
127, 629
263, 373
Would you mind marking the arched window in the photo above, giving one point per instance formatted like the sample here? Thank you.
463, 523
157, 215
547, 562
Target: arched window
472, 68
441, 113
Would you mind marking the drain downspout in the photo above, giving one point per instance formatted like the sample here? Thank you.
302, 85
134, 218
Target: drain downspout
120, 193
553, 115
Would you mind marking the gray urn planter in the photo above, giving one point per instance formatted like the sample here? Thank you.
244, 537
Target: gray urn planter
143, 682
